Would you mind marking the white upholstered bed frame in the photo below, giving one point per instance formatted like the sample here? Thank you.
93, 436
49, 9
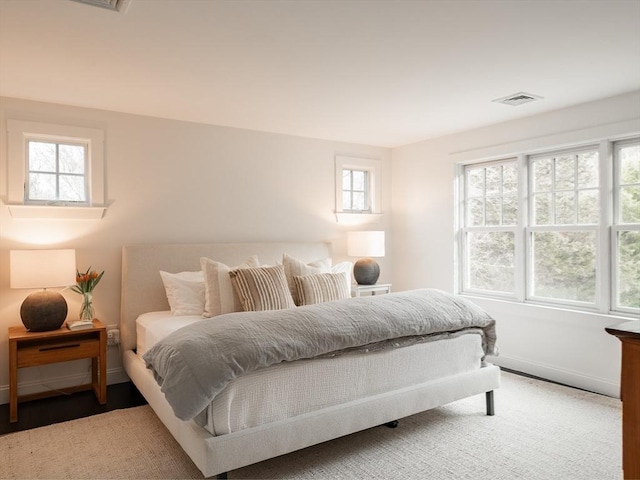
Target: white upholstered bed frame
143, 291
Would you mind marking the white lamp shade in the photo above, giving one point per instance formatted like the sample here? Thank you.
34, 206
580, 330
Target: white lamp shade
42, 268
365, 244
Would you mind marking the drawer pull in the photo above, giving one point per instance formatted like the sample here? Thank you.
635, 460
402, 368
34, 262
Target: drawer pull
59, 347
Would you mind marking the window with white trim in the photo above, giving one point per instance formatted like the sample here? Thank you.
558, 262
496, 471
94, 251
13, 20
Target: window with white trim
557, 228
358, 186
626, 227
53, 168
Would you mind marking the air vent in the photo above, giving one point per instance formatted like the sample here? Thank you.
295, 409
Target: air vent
518, 99
114, 5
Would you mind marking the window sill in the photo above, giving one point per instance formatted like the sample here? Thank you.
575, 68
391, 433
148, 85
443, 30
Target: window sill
357, 218
56, 212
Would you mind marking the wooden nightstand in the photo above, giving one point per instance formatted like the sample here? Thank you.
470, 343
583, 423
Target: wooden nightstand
377, 289
30, 349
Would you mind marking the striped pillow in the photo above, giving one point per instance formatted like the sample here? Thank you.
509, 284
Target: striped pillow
262, 288
321, 287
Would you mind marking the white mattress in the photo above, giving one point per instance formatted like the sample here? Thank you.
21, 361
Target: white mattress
154, 326
291, 389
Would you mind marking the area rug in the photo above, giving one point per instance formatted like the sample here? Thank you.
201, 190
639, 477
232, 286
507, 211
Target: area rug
540, 431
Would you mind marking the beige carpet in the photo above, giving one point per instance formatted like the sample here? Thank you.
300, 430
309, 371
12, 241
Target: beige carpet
540, 431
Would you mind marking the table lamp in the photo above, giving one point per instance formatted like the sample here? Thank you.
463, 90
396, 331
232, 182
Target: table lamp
366, 244
46, 309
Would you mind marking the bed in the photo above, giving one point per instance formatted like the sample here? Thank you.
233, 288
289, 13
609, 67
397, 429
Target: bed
281, 408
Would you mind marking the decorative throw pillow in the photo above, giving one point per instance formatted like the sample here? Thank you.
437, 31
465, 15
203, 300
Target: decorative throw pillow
294, 267
219, 294
321, 287
262, 288
185, 292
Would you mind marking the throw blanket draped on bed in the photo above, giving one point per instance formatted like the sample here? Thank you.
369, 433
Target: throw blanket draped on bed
195, 363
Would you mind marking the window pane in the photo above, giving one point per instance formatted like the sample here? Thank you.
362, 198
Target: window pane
565, 171
359, 180
71, 159
542, 175
346, 201
491, 261
72, 188
630, 164
358, 201
493, 211
588, 206
630, 204
494, 180
475, 212
346, 180
42, 186
542, 209
565, 208
564, 265
475, 182
510, 210
510, 178
629, 269
42, 157
588, 170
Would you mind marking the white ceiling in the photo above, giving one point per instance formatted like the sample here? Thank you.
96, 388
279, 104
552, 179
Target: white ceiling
378, 72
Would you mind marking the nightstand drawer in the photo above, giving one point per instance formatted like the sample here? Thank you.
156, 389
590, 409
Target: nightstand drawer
53, 352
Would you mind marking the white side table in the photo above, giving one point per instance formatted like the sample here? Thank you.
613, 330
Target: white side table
377, 289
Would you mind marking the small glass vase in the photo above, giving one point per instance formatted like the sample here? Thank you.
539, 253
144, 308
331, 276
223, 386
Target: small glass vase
86, 309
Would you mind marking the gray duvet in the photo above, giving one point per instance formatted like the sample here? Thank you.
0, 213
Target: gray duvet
192, 365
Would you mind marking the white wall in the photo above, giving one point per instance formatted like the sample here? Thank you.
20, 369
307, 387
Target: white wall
170, 181
570, 347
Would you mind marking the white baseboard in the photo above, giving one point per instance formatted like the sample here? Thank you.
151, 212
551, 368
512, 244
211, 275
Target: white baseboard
560, 375
114, 375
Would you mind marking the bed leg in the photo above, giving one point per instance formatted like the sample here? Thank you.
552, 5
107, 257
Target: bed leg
490, 404
222, 476
392, 424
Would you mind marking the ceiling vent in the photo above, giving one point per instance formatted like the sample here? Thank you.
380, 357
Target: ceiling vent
113, 5
518, 99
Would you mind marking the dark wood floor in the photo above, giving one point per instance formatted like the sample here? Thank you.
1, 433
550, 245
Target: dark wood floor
38, 413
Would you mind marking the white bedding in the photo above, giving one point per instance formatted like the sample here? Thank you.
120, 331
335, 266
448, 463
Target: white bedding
265, 396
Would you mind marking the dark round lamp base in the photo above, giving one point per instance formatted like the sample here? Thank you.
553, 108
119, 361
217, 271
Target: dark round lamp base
43, 311
366, 271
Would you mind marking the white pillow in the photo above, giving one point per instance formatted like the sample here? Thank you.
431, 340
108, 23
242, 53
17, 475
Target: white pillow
185, 292
345, 268
219, 294
294, 267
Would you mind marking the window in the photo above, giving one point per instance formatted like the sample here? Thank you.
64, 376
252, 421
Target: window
626, 228
355, 191
563, 231
357, 188
562, 227
54, 168
56, 172
491, 211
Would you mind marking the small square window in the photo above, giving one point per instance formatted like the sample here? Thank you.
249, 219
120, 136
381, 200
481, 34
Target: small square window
56, 172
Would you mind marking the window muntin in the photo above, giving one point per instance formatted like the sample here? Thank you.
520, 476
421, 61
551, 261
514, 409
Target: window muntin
355, 191
626, 227
56, 172
567, 247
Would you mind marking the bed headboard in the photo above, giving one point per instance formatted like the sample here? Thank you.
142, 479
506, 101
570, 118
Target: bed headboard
142, 289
